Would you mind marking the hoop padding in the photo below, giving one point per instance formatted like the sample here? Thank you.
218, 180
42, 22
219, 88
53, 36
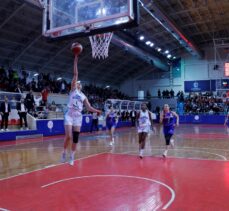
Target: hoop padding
100, 45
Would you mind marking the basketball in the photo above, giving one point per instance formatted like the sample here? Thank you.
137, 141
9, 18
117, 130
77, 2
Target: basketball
77, 48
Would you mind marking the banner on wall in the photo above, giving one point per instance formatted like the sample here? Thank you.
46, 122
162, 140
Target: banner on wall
199, 86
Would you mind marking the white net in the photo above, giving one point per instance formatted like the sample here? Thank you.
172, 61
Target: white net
100, 45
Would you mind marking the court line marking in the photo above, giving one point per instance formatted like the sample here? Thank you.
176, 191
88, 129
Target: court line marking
125, 176
108, 146
50, 166
221, 156
3, 209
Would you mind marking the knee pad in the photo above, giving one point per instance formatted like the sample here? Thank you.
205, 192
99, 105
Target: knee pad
75, 136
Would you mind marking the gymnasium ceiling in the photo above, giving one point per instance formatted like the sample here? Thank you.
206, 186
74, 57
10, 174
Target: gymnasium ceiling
21, 42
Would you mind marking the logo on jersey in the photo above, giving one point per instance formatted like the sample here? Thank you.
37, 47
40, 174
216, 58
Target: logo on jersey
77, 97
143, 119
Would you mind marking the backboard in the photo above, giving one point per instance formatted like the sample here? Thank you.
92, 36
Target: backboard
63, 18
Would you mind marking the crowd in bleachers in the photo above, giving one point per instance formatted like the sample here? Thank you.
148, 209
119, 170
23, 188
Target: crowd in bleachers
204, 103
21, 82
14, 81
167, 94
98, 95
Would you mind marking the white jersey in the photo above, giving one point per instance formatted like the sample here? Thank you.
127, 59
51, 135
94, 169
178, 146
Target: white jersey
144, 122
144, 119
76, 100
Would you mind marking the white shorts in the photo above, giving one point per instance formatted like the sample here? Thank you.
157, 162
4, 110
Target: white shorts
73, 118
144, 129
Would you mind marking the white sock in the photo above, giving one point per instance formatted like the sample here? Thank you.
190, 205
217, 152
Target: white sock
165, 152
141, 152
72, 154
65, 151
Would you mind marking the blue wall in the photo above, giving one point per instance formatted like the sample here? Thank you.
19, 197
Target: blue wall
54, 127
202, 119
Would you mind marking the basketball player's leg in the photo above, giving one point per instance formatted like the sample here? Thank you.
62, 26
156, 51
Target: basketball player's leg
67, 140
77, 122
142, 144
140, 139
112, 133
167, 143
144, 135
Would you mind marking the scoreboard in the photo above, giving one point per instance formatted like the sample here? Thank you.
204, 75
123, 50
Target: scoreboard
226, 70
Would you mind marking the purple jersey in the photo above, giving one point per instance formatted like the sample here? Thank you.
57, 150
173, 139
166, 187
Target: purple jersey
168, 123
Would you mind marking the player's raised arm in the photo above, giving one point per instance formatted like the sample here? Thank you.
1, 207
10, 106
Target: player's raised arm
76, 49
75, 73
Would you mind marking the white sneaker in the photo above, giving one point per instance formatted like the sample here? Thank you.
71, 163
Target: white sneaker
27, 128
111, 143
71, 161
165, 153
21, 128
2, 129
7, 129
172, 143
63, 157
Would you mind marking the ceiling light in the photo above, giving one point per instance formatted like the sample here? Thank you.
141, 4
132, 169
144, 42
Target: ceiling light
158, 49
148, 43
169, 56
174, 57
36, 74
58, 78
141, 38
152, 44
167, 51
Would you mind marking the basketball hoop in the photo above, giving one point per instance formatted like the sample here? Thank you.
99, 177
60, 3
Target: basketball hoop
100, 45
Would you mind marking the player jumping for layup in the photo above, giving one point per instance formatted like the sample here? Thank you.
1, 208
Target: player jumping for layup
167, 117
73, 116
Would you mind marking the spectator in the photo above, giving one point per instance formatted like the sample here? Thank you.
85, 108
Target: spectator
94, 122
22, 112
44, 94
171, 93
127, 115
53, 106
34, 85
63, 87
5, 110
18, 88
13, 103
159, 93
133, 114
37, 100
29, 100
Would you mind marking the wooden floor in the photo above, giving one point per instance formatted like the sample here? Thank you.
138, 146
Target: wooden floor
193, 143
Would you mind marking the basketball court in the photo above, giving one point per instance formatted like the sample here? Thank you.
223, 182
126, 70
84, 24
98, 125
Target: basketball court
121, 39
115, 178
